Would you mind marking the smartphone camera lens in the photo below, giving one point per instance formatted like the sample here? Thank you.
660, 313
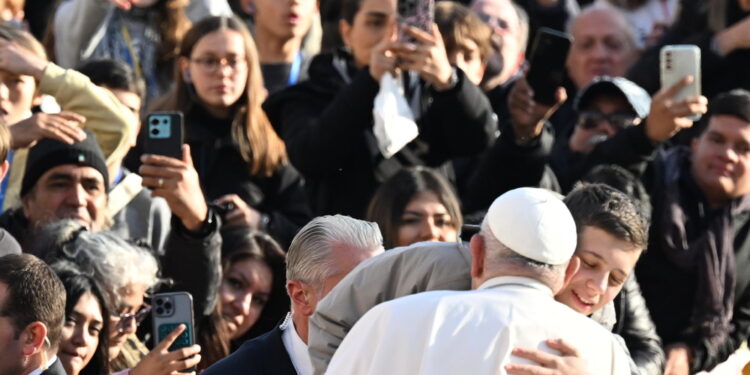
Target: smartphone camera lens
168, 305
159, 302
159, 310
155, 131
155, 121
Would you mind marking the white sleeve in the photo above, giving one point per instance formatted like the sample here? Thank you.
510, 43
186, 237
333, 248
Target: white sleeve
199, 9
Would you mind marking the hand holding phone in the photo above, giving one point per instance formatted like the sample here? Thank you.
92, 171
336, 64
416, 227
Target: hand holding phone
676, 62
161, 361
164, 134
547, 64
172, 316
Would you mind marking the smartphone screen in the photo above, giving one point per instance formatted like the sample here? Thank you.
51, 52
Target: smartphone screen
547, 64
164, 134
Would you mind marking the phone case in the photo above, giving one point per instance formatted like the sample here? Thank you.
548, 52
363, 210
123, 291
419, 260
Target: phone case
168, 311
417, 13
164, 134
547, 64
678, 61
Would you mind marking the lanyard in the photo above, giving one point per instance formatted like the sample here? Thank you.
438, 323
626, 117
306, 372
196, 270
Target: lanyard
4, 186
296, 68
133, 56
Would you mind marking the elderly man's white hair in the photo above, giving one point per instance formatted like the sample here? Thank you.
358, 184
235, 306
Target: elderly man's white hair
499, 258
308, 259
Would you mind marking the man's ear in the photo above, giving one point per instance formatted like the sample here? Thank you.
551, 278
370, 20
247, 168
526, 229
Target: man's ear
301, 295
571, 270
477, 256
33, 338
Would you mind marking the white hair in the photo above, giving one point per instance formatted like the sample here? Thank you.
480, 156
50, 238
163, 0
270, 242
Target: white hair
499, 258
115, 264
308, 259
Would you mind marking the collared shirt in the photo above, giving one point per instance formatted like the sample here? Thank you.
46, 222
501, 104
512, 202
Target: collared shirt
296, 348
472, 332
42, 369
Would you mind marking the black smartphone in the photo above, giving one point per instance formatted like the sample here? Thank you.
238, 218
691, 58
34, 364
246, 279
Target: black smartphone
416, 13
547, 64
164, 134
169, 310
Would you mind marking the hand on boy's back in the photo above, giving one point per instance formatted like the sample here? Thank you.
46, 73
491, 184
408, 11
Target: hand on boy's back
64, 126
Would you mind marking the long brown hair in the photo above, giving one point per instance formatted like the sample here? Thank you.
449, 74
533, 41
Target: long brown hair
173, 24
239, 244
251, 130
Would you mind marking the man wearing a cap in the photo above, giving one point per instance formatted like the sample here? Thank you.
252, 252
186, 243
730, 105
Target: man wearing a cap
520, 258
617, 123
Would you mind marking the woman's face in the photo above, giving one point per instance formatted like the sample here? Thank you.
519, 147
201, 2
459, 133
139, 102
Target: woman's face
371, 24
218, 70
245, 289
425, 218
606, 262
17, 95
131, 301
80, 334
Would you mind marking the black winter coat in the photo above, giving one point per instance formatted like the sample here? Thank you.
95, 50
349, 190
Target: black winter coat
327, 122
222, 170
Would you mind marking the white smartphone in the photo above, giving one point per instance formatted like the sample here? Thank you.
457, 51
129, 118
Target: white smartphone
169, 310
678, 61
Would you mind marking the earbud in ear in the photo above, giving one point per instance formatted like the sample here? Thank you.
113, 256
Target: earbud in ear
186, 76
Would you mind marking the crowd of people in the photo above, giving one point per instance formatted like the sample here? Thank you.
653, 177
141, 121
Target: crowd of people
356, 193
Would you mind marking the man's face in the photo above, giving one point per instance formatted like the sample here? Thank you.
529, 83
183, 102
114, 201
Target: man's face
721, 159
503, 19
601, 46
600, 120
285, 19
606, 262
68, 192
11, 353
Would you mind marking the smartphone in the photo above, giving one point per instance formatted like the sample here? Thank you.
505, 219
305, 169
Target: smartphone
675, 63
164, 134
547, 64
416, 13
168, 311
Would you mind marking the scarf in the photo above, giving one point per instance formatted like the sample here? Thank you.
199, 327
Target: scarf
710, 255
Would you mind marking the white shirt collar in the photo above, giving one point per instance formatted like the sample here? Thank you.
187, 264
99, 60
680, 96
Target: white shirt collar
42, 369
500, 281
296, 348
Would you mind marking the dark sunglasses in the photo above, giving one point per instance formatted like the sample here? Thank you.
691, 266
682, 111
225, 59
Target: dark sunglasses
126, 320
494, 21
591, 119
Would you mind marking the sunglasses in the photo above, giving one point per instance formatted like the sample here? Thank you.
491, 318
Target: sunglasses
494, 21
591, 119
124, 321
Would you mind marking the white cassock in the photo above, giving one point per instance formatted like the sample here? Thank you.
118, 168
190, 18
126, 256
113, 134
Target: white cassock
471, 332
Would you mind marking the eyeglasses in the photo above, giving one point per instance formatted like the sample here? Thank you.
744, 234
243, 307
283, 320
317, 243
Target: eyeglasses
591, 119
212, 64
493, 21
124, 321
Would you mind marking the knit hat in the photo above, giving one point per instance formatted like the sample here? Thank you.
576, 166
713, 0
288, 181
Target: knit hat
50, 153
534, 223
